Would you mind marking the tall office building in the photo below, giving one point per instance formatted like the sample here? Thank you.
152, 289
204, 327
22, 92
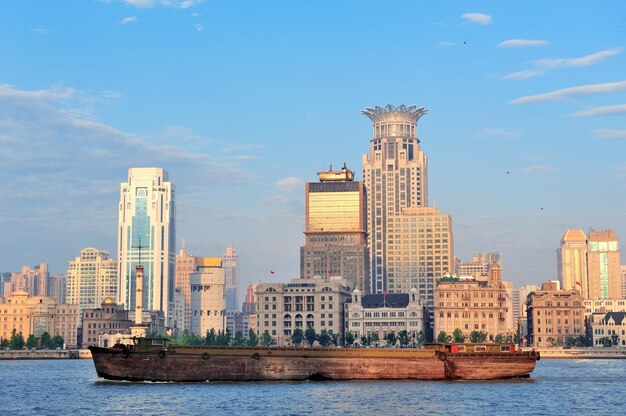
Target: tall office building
147, 215
335, 229
208, 304
58, 288
603, 265
230, 263
396, 177
185, 265
572, 262
34, 280
91, 278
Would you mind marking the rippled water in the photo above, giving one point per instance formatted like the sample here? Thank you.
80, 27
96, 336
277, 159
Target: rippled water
59, 387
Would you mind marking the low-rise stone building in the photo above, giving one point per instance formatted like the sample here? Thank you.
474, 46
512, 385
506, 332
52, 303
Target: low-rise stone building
554, 315
611, 326
385, 313
108, 319
316, 302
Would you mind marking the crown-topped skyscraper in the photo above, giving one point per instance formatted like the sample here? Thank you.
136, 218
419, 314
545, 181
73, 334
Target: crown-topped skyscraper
396, 177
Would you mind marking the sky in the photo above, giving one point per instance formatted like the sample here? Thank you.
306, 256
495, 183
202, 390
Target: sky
244, 101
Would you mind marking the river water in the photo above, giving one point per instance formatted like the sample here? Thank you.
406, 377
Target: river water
556, 387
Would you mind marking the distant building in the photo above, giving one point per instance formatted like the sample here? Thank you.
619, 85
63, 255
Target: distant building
384, 314
208, 305
471, 305
603, 262
301, 303
335, 229
34, 280
249, 307
107, 319
554, 315
572, 262
608, 326
58, 288
91, 278
623, 271
521, 320
480, 264
185, 266
510, 324
147, 214
237, 322
230, 262
603, 306
396, 178
36, 315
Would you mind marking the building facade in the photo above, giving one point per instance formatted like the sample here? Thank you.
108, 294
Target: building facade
208, 304
384, 314
611, 327
34, 280
604, 305
185, 266
230, 262
108, 319
58, 288
36, 315
603, 265
147, 229
91, 278
335, 229
469, 304
572, 262
302, 303
480, 264
396, 177
554, 315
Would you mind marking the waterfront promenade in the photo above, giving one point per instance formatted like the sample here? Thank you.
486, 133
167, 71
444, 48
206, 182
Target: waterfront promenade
43, 354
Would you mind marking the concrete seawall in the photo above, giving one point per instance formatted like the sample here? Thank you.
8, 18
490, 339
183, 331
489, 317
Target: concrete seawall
582, 353
43, 354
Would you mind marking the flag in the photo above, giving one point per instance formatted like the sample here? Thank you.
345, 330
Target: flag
89, 300
578, 283
385, 294
328, 272
271, 271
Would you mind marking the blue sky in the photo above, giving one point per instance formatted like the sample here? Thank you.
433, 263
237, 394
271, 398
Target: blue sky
243, 101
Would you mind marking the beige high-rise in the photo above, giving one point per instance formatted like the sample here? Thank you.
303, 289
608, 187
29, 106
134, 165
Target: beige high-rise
208, 302
185, 265
572, 262
603, 265
396, 177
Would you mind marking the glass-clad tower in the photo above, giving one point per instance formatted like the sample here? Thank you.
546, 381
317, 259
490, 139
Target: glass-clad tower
147, 227
395, 175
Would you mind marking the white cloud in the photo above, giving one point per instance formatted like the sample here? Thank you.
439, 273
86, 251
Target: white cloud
541, 66
178, 4
500, 132
602, 111
289, 183
445, 44
537, 169
521, 43
140, 3
127, 20
199, 27
478, 18
568, 92
609, 134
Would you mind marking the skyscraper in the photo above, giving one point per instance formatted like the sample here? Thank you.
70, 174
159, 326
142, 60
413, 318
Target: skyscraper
185, 265
230, 263
91, 278
208, 305
147, 228
572, 262
335, 229
603, 265
396, 177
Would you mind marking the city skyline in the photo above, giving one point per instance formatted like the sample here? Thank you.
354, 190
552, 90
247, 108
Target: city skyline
524, 136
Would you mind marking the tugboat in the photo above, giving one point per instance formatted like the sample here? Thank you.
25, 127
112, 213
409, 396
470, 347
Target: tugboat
151, 359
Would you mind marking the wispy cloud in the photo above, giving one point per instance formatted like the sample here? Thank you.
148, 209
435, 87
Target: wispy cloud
127, 20
544, 65
609, 134
477, 18
199, 27
568, 92
178, 4
521, 43
39, 30
501, 133
289, 183
445, 44
602, 111
537, 169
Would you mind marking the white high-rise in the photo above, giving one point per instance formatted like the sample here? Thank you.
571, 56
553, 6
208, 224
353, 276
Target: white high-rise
147, 215
396, 177
91, 278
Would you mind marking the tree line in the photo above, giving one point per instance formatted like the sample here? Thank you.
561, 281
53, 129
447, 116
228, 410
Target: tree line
45, 342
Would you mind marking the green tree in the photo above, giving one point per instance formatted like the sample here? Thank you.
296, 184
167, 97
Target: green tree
4, 343
391, 339
349, 339
606, 341
443, 337
499, 338
297, 336
334, 339
266, 339
31, 342
17, 340
374, 338
223, 338
365, 341
614, 339
211, 337
238, 339
324, 338
419, 339
458, 335
57, 341
478, 336
404, 338
252, 340
310, 335
46, 341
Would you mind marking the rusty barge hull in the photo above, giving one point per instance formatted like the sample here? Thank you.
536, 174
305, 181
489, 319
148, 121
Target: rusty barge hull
201, 364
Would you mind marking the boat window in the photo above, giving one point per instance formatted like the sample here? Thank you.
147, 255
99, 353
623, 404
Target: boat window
505, 348
480, 348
